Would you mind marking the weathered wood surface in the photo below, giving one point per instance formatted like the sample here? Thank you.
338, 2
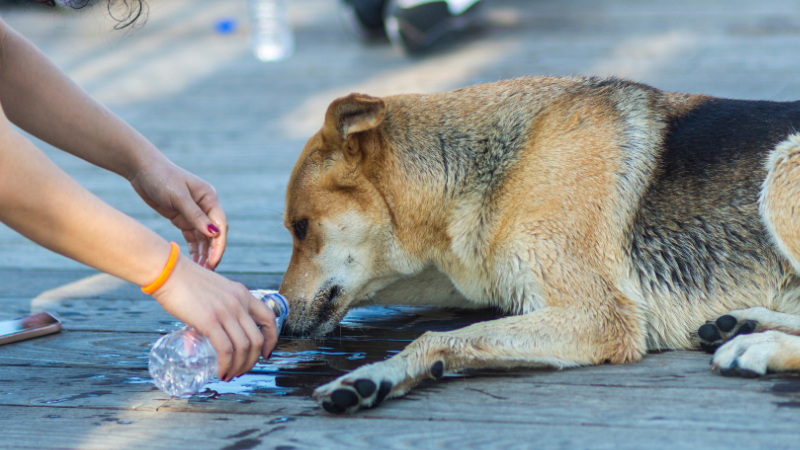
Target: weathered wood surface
240, 124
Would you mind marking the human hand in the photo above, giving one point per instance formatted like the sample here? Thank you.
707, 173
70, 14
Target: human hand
222, 310
190, 204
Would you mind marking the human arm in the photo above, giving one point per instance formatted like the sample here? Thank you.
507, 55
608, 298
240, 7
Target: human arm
39, 98
43, 203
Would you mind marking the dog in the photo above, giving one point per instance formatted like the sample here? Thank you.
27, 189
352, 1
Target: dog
606, 217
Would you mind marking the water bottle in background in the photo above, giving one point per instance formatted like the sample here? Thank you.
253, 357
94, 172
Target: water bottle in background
271, 36
182, 362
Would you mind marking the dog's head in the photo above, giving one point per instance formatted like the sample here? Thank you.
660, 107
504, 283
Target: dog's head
340, 223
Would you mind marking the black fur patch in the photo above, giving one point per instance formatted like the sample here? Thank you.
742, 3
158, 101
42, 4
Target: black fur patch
699, 217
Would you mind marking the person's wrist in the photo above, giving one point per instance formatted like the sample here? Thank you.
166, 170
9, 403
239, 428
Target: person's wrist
166, 272
144, 160
177, 278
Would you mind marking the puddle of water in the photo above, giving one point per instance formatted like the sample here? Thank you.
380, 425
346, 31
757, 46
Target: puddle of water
370, 334
247, 384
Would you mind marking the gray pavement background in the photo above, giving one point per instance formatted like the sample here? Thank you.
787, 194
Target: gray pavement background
240, 124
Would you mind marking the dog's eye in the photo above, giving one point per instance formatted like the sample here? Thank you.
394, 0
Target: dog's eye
300, 228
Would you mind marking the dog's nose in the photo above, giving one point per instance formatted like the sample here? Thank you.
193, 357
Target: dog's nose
333, 292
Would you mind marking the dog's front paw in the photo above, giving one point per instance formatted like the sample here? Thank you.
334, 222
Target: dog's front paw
751, 355
348, 395
368, 386
713, 334
365, 387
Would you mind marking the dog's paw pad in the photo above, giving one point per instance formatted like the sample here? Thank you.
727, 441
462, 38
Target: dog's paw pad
333, 408
747, 327
385, 389
349, 395
726, 323
713, 334
709, 348
365, 388
710, 337
437, 370
344, 398
709, 333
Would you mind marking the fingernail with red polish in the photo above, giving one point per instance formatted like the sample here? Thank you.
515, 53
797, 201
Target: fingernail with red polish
213, 228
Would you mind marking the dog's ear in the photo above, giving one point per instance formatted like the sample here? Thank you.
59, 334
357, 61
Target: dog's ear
353, 114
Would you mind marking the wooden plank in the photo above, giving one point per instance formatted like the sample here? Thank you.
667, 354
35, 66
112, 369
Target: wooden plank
129, 389
92, 429
81, 349
614, 422
18, 282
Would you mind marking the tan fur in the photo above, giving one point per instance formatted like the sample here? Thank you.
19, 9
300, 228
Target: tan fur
540, 196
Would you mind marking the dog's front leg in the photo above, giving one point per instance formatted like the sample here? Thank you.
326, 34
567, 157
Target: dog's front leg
552, 336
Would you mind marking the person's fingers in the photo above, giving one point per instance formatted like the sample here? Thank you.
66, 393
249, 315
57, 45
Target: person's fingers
224, 348
218, 242
265, 318
194, 244
189, 207
241, 346
254, 336
202, 249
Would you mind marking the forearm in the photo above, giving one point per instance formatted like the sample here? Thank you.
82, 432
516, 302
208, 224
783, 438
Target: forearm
39, 98
43, 203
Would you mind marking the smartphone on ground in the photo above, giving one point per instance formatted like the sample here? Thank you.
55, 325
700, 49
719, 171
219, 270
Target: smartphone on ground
28, 327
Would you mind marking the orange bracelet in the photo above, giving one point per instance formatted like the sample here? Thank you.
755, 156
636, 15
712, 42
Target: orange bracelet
173, 259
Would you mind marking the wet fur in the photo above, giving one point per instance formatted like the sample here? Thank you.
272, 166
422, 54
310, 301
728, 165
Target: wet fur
608, 218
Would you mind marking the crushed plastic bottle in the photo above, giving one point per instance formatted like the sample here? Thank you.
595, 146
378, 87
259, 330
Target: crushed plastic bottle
182, 362
271, 36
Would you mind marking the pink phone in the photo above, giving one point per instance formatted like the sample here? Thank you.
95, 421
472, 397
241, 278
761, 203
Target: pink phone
28, 327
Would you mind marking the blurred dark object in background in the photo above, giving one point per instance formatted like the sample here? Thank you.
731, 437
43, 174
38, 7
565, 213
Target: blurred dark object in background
412, 26
365, 17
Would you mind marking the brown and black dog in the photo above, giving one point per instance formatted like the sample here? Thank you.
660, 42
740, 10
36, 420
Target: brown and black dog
608, 218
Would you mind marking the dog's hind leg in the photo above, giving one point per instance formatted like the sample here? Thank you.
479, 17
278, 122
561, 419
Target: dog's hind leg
754, 354
552, 336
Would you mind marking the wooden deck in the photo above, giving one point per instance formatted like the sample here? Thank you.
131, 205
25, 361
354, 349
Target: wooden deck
240, 124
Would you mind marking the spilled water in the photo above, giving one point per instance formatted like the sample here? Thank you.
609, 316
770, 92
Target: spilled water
366, 335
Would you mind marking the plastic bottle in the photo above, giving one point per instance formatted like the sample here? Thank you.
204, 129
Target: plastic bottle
271, 36
182, 362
